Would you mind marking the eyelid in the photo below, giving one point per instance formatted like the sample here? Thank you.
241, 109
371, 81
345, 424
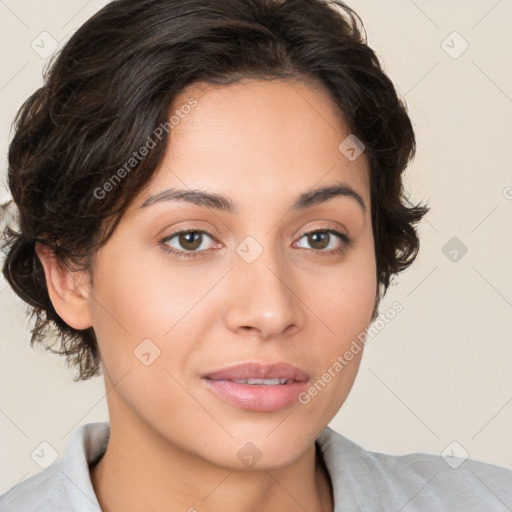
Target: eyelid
346, 241
189, 230
191, 225
326, 226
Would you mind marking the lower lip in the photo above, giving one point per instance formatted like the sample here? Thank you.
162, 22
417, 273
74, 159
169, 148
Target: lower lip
257, 397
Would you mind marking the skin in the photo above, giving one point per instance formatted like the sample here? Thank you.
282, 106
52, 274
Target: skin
174, 443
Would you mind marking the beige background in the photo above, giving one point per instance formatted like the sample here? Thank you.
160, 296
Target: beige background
440, 371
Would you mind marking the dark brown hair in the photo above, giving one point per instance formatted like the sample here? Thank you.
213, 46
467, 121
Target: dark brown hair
111, 86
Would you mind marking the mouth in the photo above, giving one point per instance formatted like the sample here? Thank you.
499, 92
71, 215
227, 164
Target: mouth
259, 382
258, 387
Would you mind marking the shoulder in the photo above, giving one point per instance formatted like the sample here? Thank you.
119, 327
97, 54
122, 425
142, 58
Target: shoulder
65, 485
414, 482
44, 491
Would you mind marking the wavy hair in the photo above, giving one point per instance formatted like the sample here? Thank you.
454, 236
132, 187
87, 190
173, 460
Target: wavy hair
111, 85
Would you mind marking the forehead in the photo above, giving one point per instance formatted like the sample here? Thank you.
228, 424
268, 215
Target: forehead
258, 139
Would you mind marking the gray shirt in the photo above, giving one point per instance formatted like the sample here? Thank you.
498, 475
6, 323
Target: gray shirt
362, 480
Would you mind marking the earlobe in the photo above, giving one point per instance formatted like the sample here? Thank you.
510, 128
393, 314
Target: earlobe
69, 291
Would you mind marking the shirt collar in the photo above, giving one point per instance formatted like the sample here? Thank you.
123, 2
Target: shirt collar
85, 447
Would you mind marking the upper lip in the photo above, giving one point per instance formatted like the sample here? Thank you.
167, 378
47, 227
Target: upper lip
255, 370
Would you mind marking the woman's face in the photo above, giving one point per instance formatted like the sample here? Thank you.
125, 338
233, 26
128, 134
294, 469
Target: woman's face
172, 313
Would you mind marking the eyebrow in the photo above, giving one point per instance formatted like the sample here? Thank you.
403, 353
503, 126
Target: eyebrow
225, 204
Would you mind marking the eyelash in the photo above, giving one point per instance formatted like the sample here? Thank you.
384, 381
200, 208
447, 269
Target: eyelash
189, 255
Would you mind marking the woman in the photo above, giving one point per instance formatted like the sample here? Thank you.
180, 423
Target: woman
210, 210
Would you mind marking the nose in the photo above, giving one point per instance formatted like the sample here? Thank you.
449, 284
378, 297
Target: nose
264, 298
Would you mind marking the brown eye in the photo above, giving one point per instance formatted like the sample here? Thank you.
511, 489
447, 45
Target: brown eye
324, 241
190, 240
187, 243
319, 239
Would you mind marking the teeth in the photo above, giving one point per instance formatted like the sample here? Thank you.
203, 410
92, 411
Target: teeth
266, 382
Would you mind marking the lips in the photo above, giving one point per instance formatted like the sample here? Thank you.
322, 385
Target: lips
258, 387
282, 371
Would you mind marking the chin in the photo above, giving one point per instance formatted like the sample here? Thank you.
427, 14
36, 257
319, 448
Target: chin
268, 445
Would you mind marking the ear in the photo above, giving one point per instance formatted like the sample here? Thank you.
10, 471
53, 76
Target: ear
69, 291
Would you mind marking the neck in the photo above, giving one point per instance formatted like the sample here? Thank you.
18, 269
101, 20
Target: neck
141, 471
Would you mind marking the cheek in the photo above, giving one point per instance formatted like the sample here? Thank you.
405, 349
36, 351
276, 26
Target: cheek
346, 297
142, 295
343, 305
148, 308
140, 319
